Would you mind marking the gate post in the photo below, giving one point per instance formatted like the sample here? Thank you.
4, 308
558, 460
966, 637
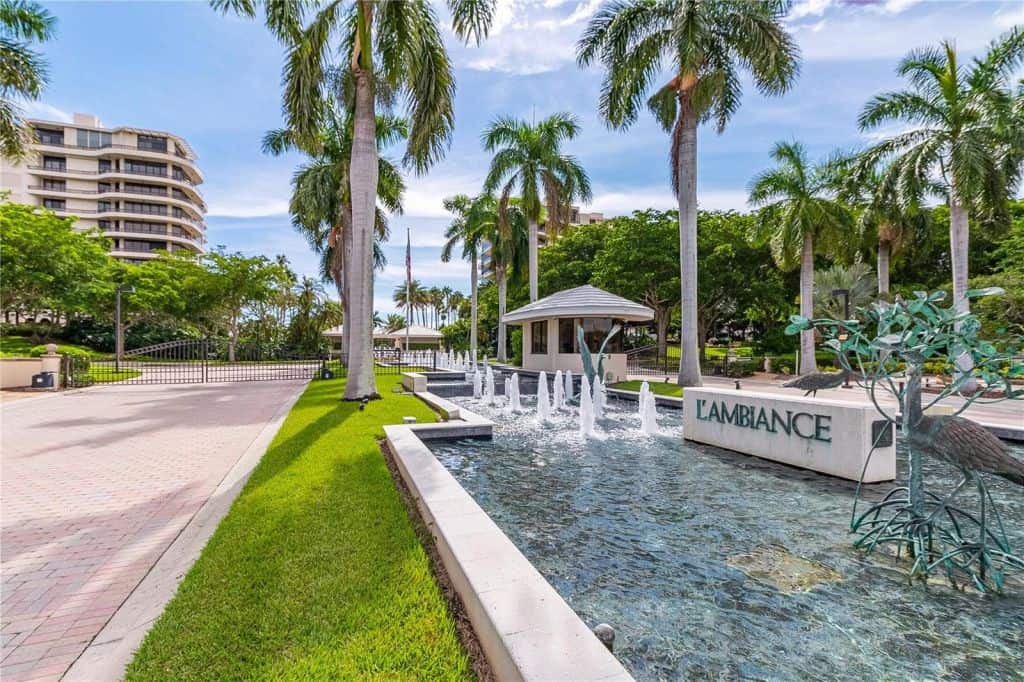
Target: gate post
206, 357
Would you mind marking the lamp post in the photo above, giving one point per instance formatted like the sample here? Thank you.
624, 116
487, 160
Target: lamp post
118, 330
845, 293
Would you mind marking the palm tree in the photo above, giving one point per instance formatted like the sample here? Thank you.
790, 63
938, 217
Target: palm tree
797, 210
393, 323
388, 53
467, 229
507, 234
965, 142
707, 44
528, 159
879, 213
23, 75
856, 279
321, 207
410, 299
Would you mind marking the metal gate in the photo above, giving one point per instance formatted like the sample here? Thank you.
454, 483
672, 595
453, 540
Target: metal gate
199, 361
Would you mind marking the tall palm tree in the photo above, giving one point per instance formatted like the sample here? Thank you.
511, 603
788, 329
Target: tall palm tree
528, 159
388, 54
321, 207
706, 44
880, 213
23, 74
409, 298
467, 229
965, 143
507, 235
393, 322
798, 211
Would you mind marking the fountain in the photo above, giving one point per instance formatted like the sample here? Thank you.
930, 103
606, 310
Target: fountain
514, 394
645, 388
559, 387
586, 409
508, 391
599, 398
648, 413
568, 388
488, 384
477, 390
543, 399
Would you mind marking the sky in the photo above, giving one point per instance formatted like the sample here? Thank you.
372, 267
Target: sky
215, 80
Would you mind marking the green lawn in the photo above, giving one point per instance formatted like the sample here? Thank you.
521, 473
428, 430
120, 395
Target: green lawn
108, 375
20, 346
316, 572
658, 387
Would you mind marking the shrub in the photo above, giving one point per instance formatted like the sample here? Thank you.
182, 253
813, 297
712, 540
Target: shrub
79, 363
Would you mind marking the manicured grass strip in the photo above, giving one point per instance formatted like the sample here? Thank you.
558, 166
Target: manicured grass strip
658, 387
20, 346
316, 572
107, 375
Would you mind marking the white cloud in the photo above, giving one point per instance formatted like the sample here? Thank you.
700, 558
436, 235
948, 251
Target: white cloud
1010, 18
423, 195
808, 8
48, 112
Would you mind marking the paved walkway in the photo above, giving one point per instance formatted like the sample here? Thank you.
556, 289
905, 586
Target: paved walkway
95, 485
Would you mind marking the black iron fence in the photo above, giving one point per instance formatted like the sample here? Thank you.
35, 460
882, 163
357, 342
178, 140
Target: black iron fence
647, 361
198, 361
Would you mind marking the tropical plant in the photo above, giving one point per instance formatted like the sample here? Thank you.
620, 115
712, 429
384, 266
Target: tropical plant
320, 205
467, 229
856, 279
23, 71
507, 237
528, 159
707, 45
393, 322
387, 54
797, 212
410, 297
880, 213
965, 139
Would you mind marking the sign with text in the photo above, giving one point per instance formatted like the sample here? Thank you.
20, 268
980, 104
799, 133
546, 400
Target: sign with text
830, 436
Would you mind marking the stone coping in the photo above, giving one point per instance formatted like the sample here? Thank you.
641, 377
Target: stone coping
660, 400
525, 628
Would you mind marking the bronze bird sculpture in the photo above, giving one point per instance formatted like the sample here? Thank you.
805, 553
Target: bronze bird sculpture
817, 381
967, 445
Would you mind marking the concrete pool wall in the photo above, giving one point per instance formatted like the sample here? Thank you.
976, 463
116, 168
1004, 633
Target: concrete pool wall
526, 629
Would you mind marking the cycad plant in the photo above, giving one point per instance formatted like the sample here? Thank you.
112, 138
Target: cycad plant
385, 54
528, 160
799, 214
856, 280
706, 45
22, 69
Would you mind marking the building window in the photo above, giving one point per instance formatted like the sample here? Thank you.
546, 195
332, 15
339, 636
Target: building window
539, 338
53, 137
145, 168
148, 209
54, 204
57, 163
595, 330
106, 224
56, 185
153, 144
93, 139
567, 335
144, 228
140, 246
136, 188
105, 166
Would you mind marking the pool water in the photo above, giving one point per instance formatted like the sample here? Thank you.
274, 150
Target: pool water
690, 553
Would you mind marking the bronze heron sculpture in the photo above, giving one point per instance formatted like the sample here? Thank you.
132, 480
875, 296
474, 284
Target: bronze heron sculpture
818, 381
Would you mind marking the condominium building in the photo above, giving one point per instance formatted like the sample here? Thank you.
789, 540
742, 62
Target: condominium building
139, 187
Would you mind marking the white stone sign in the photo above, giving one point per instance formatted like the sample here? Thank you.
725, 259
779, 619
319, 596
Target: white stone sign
830, 436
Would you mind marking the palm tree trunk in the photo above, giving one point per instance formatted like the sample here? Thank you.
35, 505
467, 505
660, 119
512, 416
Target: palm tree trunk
884, 252
472, 307
534, 228
808, 361
361, 381
959, 233
686, 191
502, 291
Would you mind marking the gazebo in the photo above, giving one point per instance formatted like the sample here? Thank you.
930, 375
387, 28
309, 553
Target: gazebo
550, 329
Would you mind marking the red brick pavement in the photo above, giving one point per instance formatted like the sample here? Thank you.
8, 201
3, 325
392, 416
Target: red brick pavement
94, 486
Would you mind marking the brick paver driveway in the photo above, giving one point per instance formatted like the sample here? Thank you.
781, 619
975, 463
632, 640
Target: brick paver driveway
95, 485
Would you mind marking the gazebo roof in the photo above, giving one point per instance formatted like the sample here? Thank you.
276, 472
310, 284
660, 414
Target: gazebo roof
415, 331
584, 301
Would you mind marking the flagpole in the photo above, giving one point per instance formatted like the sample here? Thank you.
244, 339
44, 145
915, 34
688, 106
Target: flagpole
408, 284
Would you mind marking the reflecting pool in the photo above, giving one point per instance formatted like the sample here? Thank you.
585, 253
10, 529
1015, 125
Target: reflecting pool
713, 564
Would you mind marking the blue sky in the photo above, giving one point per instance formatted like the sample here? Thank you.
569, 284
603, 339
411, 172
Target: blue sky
181, 67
